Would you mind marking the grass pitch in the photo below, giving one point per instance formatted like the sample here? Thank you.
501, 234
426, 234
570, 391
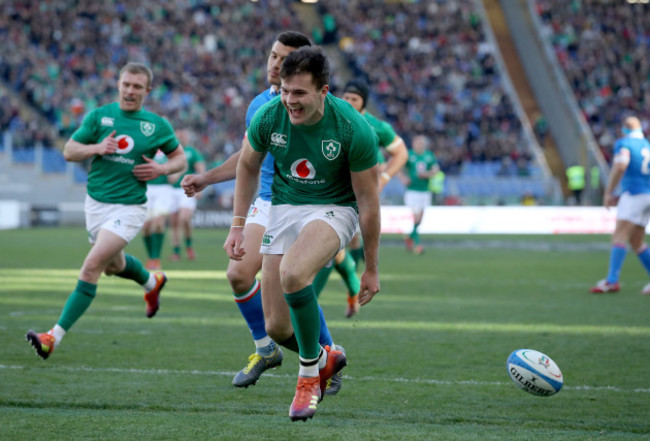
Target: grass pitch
426, 357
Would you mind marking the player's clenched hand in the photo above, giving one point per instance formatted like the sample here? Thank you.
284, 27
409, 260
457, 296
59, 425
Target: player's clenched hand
108, 145
369, 287
233, 244
149, 170
192, 184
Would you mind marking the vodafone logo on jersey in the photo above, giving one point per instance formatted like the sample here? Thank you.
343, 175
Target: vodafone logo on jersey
124, 144
303, 169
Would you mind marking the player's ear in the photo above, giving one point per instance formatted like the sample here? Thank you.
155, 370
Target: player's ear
325, 90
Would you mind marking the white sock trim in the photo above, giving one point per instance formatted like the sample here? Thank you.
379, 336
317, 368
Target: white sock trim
263, 342
308, 371
150, 284
58, 333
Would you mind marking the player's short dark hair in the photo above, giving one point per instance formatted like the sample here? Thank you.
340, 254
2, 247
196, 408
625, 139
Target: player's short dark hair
293, 39
135, 68
360, 87
308, 59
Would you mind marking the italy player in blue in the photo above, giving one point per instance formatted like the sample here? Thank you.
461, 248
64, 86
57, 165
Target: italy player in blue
242, 274
630, 169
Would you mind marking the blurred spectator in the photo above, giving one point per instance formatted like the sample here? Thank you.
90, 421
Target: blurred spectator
528, 199
576, 181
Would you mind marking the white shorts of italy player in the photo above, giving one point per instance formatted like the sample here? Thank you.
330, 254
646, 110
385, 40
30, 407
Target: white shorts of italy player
417, 200
259, 213
122, 220
286, 222
180, 200
634, 208
159, 200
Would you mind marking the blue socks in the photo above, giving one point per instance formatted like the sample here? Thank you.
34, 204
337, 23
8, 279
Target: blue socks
616, 258
644, 257
325, 339
250, 306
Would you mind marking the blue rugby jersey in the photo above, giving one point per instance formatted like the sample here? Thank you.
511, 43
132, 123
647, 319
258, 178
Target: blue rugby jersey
636, 179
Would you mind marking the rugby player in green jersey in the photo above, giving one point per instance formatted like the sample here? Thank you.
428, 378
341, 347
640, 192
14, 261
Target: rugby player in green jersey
159, 208
183, 207
242, 274
325, 182
422, 165
120, 139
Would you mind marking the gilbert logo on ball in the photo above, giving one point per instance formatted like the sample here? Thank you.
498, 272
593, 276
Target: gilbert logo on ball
534, 372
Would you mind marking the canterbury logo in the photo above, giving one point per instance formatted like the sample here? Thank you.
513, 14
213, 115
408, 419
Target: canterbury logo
107, 122
279, 139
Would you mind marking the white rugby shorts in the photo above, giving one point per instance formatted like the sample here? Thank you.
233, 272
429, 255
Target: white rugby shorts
180, 200
286, 222
159, 200
417, 200
123, 220
634, 208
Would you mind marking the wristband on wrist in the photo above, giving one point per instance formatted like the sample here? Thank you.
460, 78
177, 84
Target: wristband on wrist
238, 221
385, 176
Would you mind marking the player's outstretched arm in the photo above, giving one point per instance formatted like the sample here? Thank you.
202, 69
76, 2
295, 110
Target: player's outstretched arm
366, 190
194, 183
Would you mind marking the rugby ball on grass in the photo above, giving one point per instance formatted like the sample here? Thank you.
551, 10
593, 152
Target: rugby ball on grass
534, 372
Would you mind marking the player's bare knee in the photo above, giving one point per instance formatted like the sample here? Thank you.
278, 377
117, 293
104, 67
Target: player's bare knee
292, 281
278, 331
292, 278
239, 277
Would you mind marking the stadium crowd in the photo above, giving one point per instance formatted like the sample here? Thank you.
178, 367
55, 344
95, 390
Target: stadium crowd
432, 69
603, 50
207, 59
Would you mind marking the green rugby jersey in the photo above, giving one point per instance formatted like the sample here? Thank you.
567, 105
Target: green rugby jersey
417, 164
313, 162
111, 178
384, 132
193, 157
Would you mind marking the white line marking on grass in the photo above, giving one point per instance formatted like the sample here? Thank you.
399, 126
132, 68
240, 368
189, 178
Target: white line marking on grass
268, 374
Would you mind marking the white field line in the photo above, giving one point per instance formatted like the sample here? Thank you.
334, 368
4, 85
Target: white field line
347, 377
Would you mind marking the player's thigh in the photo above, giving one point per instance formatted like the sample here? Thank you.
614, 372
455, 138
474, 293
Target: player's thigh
622, 231
315, 246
